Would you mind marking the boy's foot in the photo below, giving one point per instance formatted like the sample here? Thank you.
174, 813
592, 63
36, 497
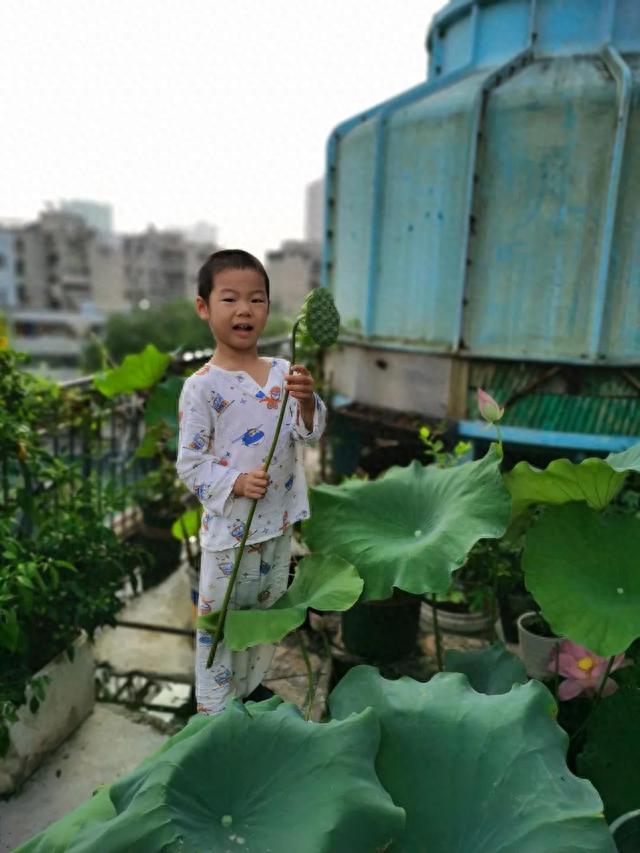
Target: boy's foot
259, 694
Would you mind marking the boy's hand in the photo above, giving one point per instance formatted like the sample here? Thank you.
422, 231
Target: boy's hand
300, 385
252, 485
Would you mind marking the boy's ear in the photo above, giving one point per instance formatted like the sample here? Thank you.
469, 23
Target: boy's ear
202, 308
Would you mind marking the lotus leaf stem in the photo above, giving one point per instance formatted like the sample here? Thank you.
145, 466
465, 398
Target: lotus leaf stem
437, 634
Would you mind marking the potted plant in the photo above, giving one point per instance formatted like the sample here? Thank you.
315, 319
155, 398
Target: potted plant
60, 573
159, 493
538, 644
160, 496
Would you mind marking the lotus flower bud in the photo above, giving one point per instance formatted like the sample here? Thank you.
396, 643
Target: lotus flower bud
489, 409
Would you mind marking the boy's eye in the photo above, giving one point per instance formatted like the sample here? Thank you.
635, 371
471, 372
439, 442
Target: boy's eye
258, 300
228, 299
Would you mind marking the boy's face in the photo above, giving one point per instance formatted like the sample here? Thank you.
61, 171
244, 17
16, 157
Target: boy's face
238, 308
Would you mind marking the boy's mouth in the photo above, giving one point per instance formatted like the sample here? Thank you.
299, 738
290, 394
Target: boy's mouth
242, 327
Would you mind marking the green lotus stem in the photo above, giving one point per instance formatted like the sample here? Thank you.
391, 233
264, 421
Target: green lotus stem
499, 435
607, 672
596, 699
437, 634
494, 605
236, 566
310, 685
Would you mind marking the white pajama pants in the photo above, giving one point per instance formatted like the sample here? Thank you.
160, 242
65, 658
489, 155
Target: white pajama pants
262, 578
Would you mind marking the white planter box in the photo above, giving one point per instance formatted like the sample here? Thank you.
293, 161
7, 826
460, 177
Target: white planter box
69, 698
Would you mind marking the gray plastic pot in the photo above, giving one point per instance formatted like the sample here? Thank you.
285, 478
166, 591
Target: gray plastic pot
536, 651
626, 832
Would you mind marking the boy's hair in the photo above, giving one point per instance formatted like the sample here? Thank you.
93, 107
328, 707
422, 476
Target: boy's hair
227, 259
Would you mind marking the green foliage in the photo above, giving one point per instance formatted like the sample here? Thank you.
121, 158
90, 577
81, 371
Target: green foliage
491, 671
268, 766
464, 768
321, 582
412, 527
626, 460
434, 448
611, 757
593, 481
137, 372
401, 766
188, 524
60, 565
160, 491
582, 568
168, 327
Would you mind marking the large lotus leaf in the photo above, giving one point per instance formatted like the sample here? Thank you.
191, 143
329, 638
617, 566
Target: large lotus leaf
137, 372
162, 405
321, 581
412, 527
270, 781
593, 481
475, 773
188, 522
626, 460
492, 670
99, 809
583, 569
611, 756
59, 836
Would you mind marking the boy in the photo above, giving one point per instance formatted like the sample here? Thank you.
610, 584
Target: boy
227, 417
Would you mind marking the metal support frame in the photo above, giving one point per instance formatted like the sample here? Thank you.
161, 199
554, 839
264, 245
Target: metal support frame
621, 73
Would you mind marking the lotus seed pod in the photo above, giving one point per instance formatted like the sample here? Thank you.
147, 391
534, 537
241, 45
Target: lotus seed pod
321, 317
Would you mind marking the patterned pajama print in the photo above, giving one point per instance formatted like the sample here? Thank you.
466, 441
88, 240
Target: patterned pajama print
226, 424
262, 579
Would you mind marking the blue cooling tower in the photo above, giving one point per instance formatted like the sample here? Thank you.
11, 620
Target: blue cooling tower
483, 228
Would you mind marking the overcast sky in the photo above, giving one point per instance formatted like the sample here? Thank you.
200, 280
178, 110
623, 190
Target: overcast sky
175, 112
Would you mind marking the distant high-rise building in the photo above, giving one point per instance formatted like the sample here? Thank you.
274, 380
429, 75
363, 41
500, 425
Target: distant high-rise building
201, 232
95, 215
52, 261
61, 262
293, 270
8, 284
314, 211
161, 265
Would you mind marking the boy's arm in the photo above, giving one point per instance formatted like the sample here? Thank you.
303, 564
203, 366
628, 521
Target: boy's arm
307, 411
205, 475
319, 420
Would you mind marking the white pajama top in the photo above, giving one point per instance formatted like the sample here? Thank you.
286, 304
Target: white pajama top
226, 426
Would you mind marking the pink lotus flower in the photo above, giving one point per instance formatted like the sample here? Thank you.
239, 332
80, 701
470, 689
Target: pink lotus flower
489, 409
582, 671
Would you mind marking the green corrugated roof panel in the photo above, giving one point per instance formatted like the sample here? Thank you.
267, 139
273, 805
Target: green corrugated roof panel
607, 403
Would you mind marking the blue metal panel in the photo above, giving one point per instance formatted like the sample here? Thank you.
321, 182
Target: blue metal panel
353, 208
503, 31
564, 27
626, 26
423, 217
620, 339
567, 27
457, 49
622, 74
534, 256
548, 438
